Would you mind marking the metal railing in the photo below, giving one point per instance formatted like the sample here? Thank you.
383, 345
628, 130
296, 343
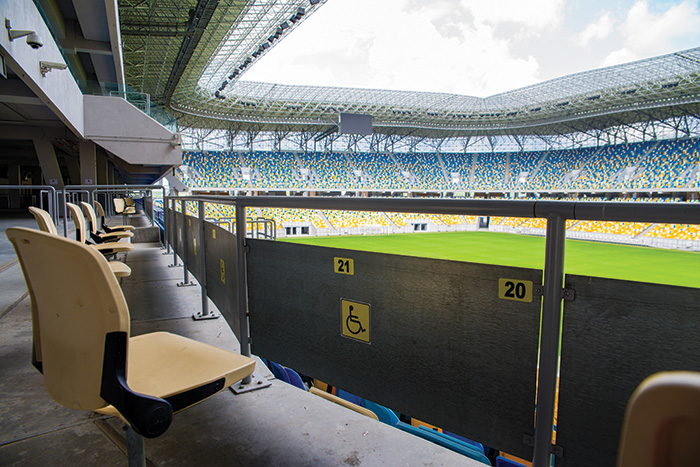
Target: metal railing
555, 212
91, 192
262, 228
50, 191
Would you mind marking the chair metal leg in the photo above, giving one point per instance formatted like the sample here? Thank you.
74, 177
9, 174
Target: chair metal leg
136, 448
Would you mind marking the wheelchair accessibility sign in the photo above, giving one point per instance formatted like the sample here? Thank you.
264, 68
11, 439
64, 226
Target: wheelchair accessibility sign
355, 320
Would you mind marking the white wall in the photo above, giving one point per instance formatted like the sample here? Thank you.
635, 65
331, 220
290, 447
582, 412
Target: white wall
58, 90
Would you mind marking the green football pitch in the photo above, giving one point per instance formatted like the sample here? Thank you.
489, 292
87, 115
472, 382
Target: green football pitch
615, 261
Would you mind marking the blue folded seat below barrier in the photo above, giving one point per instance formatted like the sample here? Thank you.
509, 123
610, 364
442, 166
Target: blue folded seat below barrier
476, 444
504, 462
294, 379
285, 374
389, 417
278, 371
350, 397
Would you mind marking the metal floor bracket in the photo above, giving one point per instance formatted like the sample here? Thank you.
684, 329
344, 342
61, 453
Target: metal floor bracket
186, 284
199, 316
256, 382
174, 265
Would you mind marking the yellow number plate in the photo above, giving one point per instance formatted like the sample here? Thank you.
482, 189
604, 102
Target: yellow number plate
344, 266
514, 289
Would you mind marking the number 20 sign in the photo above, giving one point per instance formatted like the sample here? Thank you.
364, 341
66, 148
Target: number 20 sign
513, 289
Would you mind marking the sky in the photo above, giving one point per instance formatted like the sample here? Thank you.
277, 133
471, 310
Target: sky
472, 47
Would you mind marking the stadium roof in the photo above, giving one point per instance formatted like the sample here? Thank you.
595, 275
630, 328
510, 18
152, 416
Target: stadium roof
190, 60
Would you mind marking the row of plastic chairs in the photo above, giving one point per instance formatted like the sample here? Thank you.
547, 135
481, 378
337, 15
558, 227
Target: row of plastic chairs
82, 343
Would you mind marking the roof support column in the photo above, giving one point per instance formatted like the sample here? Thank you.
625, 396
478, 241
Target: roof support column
73, 166
46, 154
102, 173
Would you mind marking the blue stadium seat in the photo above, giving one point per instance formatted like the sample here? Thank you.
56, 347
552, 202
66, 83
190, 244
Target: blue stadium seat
503, 462
294, 379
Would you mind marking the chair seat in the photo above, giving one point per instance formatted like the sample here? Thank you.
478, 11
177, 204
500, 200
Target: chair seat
113, 247
162, 364
119, 269
115, 236
121, 227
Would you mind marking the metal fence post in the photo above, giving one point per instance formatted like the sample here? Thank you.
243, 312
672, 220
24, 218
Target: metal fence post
153, 209
186, 282
206, 313
173, 233
549, 339
166, 226
242, 283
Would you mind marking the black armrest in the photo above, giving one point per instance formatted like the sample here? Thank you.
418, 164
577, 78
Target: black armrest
96, 238
149, 416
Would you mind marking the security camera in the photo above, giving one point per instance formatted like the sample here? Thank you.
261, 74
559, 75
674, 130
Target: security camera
33, 38
45, 67
34, 41
53, 65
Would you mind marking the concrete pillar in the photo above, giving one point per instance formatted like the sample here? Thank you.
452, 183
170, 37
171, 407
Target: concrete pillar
88, 162
49, 164
73, 170
102, 170
13, 174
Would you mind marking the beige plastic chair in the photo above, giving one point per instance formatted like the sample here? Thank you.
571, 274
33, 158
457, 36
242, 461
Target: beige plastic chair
92, 225
662, 422
121, 207
46, 224
103, 224
106, 248
89, 360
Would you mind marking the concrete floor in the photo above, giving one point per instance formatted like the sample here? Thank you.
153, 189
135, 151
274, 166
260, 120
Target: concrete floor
276, 426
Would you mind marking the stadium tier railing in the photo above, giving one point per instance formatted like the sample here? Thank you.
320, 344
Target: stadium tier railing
428, 308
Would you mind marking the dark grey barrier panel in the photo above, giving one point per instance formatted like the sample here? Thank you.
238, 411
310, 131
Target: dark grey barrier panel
194, 247
615, 334
221, 257
179, 234
442, 346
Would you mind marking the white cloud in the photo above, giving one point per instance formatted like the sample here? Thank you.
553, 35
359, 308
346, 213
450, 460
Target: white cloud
646, 34
597, 30
532, 14
397, 44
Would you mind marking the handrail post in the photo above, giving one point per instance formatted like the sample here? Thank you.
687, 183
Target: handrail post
173, 233
185, 277
242, 281
205, 313
65, 212
166, 226
549, 339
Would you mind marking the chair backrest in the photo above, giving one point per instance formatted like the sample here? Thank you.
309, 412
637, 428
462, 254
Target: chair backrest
44, 220
90, 213
79, 220
101, 212
74, 315
129, 201
119, 205
662, 422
